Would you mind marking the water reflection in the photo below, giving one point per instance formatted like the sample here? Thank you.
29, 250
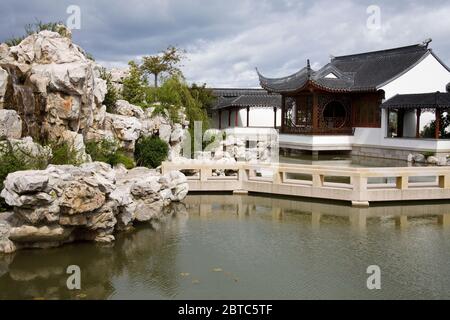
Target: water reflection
344, 160
285, 208
222, 246
142, 255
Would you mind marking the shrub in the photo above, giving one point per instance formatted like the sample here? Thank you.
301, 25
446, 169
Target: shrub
64, 153
151, 151
108, 151
134, 86
111, 94
37, 27
11, 161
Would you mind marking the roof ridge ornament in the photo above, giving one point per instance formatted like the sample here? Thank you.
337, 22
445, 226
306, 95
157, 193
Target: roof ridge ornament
426, 42
308, 67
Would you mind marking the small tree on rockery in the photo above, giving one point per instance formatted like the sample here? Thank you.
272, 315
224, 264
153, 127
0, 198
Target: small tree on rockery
166, 62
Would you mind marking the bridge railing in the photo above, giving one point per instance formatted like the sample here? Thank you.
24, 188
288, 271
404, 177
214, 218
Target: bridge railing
358, 185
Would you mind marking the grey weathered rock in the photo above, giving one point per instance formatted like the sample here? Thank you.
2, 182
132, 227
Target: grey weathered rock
28, 233
117, 77
6, 245
410, 157
432, 160
3, 83
125, 108
10, 123
442, 161
419, 158
47, 72
64, 203
125, 129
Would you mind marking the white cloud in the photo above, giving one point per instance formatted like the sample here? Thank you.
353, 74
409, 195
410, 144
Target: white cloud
226, 40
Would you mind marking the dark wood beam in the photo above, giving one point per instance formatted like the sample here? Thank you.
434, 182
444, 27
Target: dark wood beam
248, 117
283, 111
275, 117
315, 111
418, 112
437, 128
220, 119
236, 117
229, 117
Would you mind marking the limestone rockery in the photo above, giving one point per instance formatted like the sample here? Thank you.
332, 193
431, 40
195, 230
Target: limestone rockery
51, 92
66, 203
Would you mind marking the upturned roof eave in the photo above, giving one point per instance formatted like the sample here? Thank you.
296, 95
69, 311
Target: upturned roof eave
317, 86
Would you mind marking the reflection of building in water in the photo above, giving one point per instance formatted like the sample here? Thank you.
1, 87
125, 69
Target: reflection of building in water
42, 273
279, 208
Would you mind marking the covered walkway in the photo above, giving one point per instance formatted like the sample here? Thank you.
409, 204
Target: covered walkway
403, 107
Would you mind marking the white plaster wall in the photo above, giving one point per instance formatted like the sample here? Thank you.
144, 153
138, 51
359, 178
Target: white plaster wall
259, 117
263, 117
427, 76
318, 143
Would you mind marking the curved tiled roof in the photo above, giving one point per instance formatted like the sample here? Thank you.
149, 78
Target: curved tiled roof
234, 97
358, 72
434, 100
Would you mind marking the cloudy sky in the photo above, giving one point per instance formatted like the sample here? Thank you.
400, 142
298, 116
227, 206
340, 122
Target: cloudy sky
226, 40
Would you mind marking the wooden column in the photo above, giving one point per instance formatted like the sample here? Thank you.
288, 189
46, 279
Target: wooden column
275, 117
248, 117
315, 112
418, 112
437, 127
282, 113
220, 119
229, 118
236, 117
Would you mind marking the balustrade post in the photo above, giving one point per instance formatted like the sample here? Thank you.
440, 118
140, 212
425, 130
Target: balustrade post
205, 173
243, 174
401, 182
444, 181
317, 180
360, 196
277, 176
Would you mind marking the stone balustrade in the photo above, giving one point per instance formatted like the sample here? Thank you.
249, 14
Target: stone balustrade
357, 185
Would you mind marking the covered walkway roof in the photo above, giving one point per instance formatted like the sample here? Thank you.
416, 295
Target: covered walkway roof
435, 100
241, 98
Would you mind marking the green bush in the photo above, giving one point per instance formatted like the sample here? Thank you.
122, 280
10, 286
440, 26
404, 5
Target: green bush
134, 86
10, 161
111, 96
109, 152
151, 151
37, 27
64, 153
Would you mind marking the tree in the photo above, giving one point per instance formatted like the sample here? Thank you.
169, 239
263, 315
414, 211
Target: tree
37, 27
429, 130
164, 63
134, 86
203, 95
112, 94
175, 96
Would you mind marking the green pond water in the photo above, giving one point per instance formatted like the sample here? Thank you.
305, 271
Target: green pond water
344, 160
251, 247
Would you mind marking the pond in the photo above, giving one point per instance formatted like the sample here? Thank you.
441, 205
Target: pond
344, 160
252, 247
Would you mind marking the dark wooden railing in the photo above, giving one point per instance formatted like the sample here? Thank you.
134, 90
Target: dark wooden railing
317, 131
